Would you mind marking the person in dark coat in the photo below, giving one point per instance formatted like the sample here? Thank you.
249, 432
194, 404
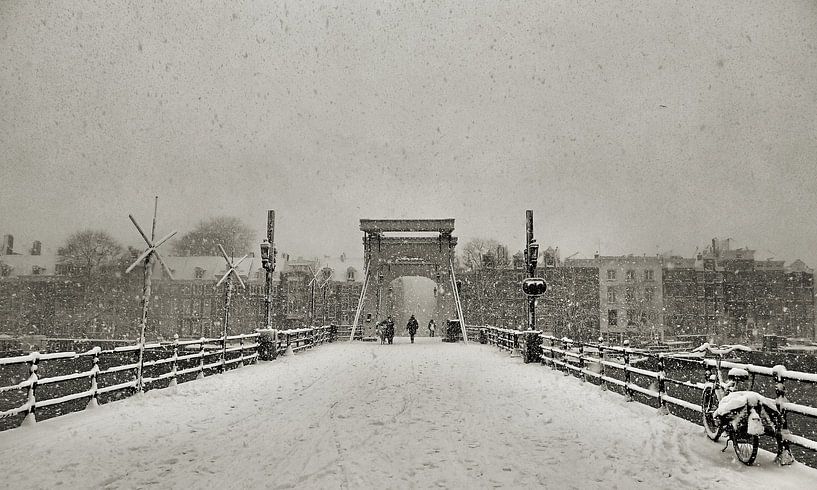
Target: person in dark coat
412, 327
390, 329
432, 328
381, 331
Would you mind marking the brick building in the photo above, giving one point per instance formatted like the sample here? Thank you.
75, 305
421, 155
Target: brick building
630, 295
727, 294
492, 296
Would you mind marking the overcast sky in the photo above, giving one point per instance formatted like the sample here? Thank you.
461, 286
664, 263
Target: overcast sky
629, 127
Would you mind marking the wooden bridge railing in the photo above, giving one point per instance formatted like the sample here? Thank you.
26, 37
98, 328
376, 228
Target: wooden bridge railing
643, 376
86, 379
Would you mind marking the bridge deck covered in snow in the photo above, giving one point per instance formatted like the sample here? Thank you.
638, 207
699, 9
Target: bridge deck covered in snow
365, 415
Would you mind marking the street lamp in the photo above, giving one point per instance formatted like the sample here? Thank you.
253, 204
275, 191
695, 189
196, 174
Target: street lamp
532, 286
268, 254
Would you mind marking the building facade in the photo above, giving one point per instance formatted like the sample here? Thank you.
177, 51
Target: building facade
59, 302
568, 309
630, 296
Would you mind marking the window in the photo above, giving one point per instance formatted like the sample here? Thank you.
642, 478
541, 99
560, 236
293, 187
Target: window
611, 295
629, 294
199, 273
350, 274
649, 275
649, 294
611, 274
612, 317
630, 275
37, 270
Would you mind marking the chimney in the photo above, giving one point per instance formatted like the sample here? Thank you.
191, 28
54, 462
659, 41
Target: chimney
36, 247
8, 245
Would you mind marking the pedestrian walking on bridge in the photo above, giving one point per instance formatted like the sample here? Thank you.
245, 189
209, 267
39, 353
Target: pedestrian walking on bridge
412, 327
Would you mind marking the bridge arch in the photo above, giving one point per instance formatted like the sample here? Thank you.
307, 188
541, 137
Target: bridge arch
395, 248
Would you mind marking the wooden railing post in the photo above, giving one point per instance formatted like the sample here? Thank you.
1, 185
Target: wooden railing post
31, 418
241, 351
603, 383
784, 455
552, 353
565, 347
223, 366
581, 362
201, 359
662, 406
627, 389
94, 401
174, 367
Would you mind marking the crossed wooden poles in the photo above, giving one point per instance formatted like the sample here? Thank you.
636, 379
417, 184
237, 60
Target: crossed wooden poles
146, 259
326, 276
228, 294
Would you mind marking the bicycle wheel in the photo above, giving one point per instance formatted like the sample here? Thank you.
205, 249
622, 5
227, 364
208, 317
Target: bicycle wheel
709, 403
745, 448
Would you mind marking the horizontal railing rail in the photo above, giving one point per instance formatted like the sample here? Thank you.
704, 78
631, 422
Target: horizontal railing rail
112, 374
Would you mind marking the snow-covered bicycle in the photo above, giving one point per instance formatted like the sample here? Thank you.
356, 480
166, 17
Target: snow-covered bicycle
742, 415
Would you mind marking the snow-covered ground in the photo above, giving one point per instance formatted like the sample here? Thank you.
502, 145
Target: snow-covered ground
371, 416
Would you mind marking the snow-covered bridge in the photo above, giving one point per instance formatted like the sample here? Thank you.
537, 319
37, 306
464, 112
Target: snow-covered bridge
355, 415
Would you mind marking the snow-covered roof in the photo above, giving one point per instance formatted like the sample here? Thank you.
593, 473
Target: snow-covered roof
341, 266
24, 265
799, 266
203, 267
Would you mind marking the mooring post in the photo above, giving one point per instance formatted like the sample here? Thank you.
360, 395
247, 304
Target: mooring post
146, 259
228, 276
228, 294
146, 291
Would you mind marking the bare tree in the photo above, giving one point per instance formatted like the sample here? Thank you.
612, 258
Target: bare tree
87, 251
236, 237
479, 253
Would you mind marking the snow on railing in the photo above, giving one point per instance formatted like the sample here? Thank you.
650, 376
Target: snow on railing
68, 387
168, 362
610, 366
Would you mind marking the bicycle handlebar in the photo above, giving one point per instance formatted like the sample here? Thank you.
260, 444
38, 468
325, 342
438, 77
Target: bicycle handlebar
721, 350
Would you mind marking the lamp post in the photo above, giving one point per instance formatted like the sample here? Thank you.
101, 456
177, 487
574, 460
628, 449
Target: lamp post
532, 286
268, 254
